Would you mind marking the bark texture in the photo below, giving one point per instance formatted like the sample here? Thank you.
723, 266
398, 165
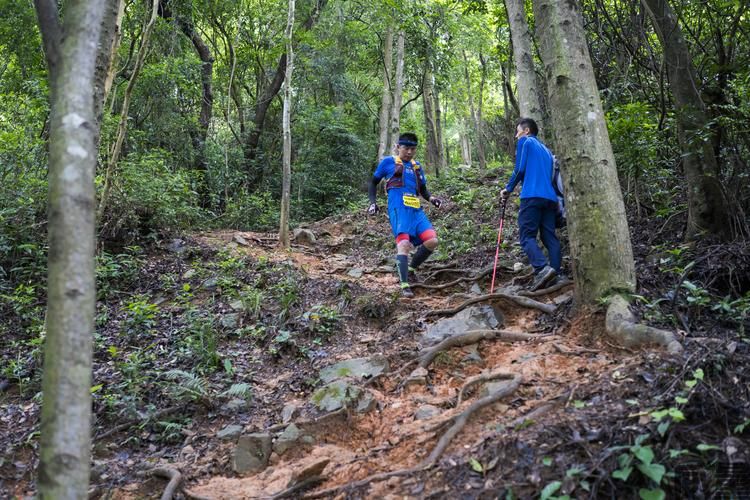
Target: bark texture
385, 102
526, 82
286, 178
398, 90
428, 99
122, 127
707, 203
600, 248
71, 50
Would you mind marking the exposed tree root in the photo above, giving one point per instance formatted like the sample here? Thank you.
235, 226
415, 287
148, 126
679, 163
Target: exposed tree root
543, 408
466, 279
459, 422
460, 271
482, 377
516, 299
521, 278
173, 475
311, 422
472, 337
622, 327
545, 291
564, 350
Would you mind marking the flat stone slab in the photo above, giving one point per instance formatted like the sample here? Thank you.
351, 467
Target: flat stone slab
483, 317
355, 368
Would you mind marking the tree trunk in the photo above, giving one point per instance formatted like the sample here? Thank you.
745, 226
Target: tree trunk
112, 71
465, 148
707, 204
398, 90
480, 104
428, 98
109, 41
122, 128
601, 253
385, 103
442, 153
286, 179
71, 53
250, 148
475, 121
526, 82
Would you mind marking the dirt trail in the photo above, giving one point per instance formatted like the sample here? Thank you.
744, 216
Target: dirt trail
390, 438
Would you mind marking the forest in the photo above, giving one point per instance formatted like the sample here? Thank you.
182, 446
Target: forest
195, 302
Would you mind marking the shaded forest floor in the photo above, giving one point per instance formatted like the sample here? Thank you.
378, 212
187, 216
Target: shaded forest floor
222, 329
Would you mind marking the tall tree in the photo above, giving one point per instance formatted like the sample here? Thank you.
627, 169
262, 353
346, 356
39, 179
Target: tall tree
385, 101
526, 82
70, 48
287, 131
122, 127
263, 102
707, 204
398, 90
600, 248
428, 98
599, 238
475, 120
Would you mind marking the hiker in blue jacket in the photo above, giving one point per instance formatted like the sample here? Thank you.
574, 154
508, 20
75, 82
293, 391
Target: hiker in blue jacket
534, 164
405, 182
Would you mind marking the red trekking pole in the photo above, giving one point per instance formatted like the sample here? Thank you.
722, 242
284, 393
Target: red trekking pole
499, 240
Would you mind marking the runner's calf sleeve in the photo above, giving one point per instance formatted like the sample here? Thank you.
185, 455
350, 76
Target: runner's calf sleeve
422, 254
403, 268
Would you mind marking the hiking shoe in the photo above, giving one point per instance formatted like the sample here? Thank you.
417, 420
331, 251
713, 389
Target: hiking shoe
406, 291
542, 278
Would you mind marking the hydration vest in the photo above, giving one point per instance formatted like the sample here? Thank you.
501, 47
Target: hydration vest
397, 179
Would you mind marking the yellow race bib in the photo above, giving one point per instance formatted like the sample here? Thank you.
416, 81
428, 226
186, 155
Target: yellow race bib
411, 201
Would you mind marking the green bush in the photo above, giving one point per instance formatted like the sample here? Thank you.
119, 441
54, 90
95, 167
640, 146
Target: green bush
147, 196
257, 211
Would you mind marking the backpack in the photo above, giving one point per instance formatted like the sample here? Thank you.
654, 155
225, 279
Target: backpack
557, 184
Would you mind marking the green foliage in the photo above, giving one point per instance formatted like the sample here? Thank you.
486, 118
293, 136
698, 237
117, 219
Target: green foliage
141, 314
151, 196
322, 319
256, 211
118, 271
640, 150
199, 340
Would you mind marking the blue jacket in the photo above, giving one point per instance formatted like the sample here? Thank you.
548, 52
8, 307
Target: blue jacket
412, 177
533, 169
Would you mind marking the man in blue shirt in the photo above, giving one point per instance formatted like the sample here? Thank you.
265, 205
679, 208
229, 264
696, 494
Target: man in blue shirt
538, 209
405, 182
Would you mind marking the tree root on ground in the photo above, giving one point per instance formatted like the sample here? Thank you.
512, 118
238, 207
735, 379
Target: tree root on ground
472, 337
459, 422
482, 377
622, 327
545, 291
516, 299
459, 271
564, 350
173, 475
543, 408
481, 274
